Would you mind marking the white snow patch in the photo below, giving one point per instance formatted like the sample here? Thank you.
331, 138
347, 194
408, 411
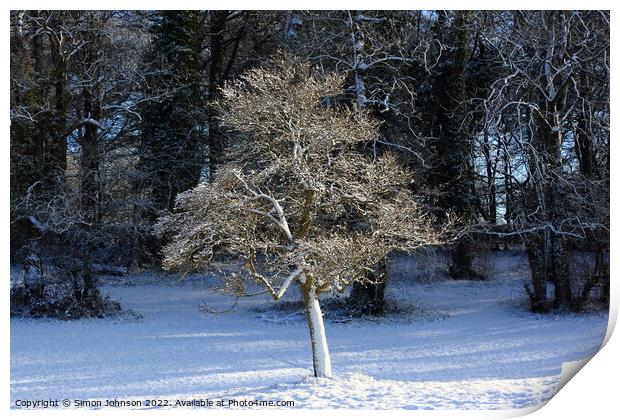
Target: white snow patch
483, 351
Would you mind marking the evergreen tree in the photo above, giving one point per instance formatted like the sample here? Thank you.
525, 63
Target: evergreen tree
173, 120
451, 172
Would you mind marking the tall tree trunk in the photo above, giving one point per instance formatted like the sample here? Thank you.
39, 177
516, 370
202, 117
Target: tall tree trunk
462, 256
90, 171
56, 141
22, 148
368, 297
90, 192
452, 175
555, 202
552, 130
215, 141
41, 96
321, 360
91, 158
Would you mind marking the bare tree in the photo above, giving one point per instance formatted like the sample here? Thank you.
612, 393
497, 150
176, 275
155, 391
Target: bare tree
77, 120
377, 50
537, 107
297, 201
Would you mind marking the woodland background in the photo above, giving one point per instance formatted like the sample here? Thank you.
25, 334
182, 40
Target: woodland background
501, 117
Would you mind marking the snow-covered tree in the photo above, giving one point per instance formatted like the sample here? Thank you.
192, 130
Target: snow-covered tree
540, 101
296, 199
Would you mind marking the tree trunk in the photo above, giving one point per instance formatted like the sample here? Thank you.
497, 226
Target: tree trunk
584, 148
452, 176
369, 298
462, 262
217, 27
491, 215
508, 194
91, 159
557, 214
56, 142
596, 279
563, 291
22, 152
551, 127
41, 129
537, 257
602, 273
90, 292
320, 352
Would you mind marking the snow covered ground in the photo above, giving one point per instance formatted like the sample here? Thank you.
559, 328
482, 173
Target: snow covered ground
464, 345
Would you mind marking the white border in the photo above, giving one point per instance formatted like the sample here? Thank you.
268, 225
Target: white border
593, 394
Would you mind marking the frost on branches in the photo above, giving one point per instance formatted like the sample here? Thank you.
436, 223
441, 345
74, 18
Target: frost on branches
296, 200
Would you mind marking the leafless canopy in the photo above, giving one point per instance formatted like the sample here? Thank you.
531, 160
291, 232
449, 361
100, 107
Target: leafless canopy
296, 200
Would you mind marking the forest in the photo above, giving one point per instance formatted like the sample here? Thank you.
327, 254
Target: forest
308, 153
